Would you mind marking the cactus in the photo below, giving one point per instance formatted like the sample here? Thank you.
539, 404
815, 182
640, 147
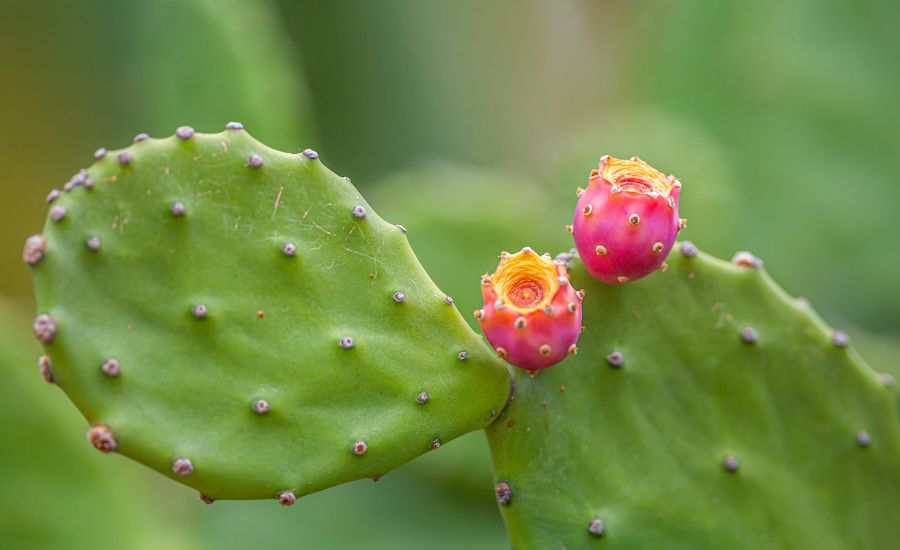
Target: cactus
626, 220
240, 320
707, 409
531, 314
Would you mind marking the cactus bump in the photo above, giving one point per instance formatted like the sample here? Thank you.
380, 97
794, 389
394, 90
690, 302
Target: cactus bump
241, 320
626, 220
706, 409
531, 314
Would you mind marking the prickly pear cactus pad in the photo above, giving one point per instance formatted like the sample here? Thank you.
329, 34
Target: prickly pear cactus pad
705, 409
240, 320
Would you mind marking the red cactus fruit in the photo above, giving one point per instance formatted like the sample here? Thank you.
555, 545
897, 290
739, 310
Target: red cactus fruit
531, 314
626, 220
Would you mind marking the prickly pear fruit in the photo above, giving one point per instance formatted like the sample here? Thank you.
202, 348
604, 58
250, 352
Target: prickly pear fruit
241, 320
531, 314
626, 220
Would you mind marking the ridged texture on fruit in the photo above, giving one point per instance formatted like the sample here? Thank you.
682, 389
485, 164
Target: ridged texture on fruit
626, 220
196, 294
701, 437
531, 313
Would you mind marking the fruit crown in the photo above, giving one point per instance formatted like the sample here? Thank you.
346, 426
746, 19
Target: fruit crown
635, 175
526, 281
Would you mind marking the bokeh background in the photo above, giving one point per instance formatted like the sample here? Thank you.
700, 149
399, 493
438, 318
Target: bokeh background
471, 123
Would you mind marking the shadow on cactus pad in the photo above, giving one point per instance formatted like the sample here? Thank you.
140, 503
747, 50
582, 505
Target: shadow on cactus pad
239, 319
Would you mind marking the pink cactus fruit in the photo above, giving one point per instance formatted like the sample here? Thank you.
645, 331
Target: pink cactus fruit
531, 314
626, 220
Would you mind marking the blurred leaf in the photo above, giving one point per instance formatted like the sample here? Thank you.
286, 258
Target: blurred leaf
468, 81
205, 62
804, 98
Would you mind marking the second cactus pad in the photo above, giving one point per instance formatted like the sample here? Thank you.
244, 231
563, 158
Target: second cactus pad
239, 319
705, 409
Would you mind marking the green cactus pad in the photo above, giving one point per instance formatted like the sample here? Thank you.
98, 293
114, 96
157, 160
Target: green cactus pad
218, 273
709, 434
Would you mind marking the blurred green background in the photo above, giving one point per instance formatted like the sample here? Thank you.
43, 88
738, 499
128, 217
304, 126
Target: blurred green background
471, 123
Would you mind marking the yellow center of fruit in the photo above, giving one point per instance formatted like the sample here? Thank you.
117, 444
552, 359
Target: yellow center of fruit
637, 176
526, 281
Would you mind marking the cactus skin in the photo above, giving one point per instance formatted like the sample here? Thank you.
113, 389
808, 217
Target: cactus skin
206, 314
531, 314
626, 220
699, 440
